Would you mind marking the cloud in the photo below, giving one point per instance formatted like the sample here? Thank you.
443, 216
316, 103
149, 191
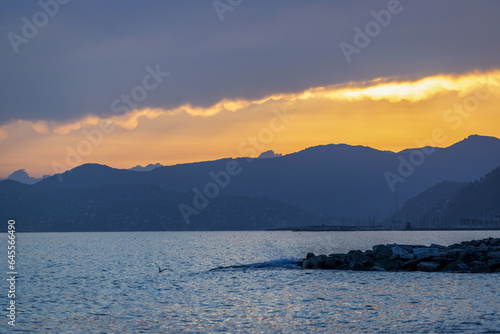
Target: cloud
40, 127
3, 135
419, 90
389, 89
92, 52
382, 113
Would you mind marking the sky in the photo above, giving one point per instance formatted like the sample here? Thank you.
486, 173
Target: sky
124, 83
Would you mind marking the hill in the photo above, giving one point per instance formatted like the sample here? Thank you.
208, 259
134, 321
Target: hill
353, 182
136, 207
452, 204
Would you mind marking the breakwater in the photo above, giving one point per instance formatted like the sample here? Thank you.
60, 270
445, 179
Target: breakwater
475, 256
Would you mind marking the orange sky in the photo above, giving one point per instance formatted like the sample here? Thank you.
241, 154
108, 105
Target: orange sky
385, 113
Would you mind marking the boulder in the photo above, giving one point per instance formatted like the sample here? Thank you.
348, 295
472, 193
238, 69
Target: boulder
443, 261
407, 257
493, 265
398, 250
428, 266
481, 269
370, 253
421, 253
387, 264
474, 264
381, 249
356, 266
495, 255
458, 266
363, 259
314, 262
410, 265
383, 255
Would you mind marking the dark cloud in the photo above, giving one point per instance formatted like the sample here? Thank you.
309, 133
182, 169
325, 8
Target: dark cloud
91, 52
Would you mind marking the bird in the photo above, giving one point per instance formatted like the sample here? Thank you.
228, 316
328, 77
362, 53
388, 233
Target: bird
160, 270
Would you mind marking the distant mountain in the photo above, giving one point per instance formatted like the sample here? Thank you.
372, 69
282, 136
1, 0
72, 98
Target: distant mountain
353, 182
269, 154
22, 176
147, 168
135, 207
452, 204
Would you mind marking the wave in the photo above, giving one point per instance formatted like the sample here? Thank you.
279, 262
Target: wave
284, 263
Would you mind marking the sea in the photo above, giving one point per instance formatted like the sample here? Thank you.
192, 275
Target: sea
236, 282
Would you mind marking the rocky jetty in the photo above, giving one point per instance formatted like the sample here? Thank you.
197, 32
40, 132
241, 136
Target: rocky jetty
476, 256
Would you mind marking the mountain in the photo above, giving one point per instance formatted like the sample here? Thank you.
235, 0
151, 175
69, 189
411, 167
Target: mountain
339, 180
147, 168
269, 154
423, 210
452, 204
136, 207
22, 176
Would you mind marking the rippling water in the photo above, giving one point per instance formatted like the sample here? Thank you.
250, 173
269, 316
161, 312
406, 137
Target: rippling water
237, 281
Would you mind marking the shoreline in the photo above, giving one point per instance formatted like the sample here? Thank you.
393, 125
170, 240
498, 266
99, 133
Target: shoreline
373, 228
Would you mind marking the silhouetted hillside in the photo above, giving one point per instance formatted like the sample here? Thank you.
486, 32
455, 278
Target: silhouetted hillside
449, 204
336, 180
136, 207
423, 210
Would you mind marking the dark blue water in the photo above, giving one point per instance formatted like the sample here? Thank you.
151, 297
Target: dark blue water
237, 282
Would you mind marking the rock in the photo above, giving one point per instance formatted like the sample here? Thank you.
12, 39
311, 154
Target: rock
343, 266
370, 253
443, 261
493, 265
363, 259
421, 253
410, 265
381, 249
387, 264
398, 250
472, 243
456, 253
494, 255
481, 269
332, 262
314, 262
356, 266
428, 266
394, 257
477, 256
383, 255
407, 257
459, 266
377, 268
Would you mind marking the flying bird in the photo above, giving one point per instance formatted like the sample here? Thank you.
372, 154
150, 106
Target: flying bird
160, 270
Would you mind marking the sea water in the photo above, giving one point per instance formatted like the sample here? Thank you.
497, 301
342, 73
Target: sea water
236, 282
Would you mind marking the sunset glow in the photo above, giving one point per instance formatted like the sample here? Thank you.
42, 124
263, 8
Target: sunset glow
383, 113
